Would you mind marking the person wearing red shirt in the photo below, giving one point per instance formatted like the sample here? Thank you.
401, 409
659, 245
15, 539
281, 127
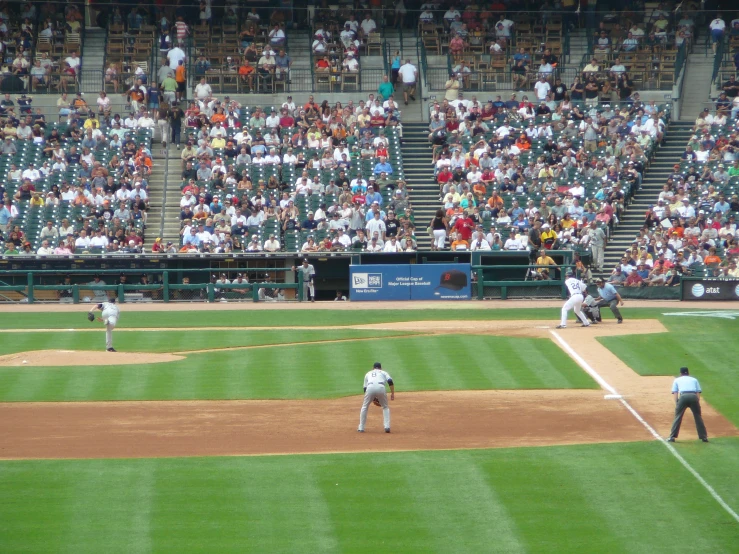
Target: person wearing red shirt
488, 176
444, 176
464, 226
377, 120
452, 125
286, 120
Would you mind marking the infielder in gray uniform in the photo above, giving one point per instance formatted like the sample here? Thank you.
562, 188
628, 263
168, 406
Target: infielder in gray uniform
374, 390
109, 317
309, 273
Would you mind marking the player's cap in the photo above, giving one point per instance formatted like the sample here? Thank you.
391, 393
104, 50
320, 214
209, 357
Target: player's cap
377, 365
684, 371
305, 260
600, 280
568, 272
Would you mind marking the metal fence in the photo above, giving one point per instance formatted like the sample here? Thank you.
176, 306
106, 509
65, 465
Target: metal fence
307, 80
162, 286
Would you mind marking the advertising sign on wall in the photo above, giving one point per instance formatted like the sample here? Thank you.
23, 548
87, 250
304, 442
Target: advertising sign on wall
710, 289
410, 282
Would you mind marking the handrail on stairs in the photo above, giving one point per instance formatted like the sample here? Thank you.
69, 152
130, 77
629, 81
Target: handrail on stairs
164, 190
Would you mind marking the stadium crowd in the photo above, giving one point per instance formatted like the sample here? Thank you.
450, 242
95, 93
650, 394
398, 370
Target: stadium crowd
691, 228
514, 176
78, 186
325, 176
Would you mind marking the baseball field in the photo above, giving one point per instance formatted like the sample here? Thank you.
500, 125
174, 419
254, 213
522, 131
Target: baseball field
232, 428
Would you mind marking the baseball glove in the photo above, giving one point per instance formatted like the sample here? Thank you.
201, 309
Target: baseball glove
376, 402
90, 316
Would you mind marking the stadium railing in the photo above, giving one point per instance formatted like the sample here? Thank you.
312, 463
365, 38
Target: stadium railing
162, 290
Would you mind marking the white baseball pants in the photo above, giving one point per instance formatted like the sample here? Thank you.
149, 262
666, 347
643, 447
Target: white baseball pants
309, 291
372, 392
573, 303
109, 326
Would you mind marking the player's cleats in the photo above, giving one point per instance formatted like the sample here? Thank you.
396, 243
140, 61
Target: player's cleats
112, 350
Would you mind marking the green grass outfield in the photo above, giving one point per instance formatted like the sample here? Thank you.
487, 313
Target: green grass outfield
633, 498
296, 318
450, 362
609, 498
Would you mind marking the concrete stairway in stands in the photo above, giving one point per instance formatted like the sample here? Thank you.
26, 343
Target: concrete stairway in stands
419, 174
93, 50
164, 223
654, 179
696, 95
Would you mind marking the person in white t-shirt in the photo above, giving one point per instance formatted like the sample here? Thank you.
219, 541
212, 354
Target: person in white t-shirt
717, 27
175, 55
542, 89
203, 90
368, 25
408, 75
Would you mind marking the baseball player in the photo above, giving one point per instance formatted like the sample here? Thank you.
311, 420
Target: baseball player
374, 390
309, 274
576, 288
110, 314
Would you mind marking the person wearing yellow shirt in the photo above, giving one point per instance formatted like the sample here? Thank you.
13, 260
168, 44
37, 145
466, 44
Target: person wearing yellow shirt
544, 259
36, 200
218, 142
548, 235
91, 122
546, 172
567, 222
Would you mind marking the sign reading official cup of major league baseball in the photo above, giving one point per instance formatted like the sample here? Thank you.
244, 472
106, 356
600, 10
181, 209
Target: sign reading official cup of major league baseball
411, 282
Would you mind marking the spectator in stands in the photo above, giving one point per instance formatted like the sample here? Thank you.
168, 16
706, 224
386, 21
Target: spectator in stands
717, 28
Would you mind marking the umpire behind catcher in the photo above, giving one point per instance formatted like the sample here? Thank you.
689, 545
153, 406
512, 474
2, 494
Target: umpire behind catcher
609, 296
687, 393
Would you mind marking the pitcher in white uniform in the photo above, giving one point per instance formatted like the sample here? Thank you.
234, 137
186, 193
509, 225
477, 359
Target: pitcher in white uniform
374, 389
109, 317
576, 288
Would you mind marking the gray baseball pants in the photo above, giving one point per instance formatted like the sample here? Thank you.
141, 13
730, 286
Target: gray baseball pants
375, 391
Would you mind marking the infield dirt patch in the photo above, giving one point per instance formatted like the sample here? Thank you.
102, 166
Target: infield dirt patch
53, 358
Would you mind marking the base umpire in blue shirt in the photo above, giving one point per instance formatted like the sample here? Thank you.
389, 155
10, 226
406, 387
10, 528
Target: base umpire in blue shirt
687, 393
609, 296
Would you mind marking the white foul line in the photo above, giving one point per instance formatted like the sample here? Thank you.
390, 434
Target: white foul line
604, 384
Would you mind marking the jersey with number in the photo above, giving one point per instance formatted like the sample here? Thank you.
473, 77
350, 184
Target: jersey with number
110, 310
575, 286
376, 377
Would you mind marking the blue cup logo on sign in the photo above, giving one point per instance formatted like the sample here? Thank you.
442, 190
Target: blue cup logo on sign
698, 290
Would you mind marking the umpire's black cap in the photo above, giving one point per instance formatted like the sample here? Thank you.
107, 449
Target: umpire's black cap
684, 371
377, 365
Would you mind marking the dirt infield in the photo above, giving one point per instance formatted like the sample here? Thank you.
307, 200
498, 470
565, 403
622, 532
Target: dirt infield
422, 420
54, 358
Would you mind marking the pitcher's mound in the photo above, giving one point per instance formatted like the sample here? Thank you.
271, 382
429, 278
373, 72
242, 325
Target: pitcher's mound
83, 357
